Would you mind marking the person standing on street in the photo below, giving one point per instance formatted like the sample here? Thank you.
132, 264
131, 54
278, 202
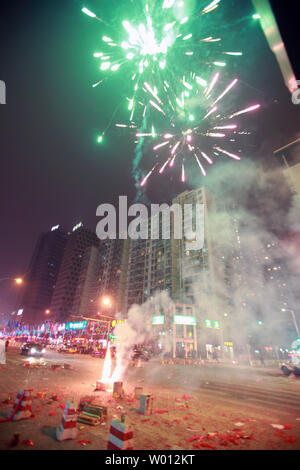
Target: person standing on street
2, 351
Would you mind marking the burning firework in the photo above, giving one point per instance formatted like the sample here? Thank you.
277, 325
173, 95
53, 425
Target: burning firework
201, 142
107, 379
161, 39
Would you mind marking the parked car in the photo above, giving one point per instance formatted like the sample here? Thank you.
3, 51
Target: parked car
99, 353
102, 352
288, 369
32, 349
84, 349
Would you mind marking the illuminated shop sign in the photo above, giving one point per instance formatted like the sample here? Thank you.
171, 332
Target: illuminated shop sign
79, 325
212, 324
158, 320
184, 320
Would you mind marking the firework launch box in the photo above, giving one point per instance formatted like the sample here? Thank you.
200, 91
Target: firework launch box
146, 403
120, 436
137, 392
92, 414
118, 389
67, 428
22, 406
84, 401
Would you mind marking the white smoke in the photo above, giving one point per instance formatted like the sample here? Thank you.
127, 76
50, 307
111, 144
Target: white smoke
256, 214
139, 329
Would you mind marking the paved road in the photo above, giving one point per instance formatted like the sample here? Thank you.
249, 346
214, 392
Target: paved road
265, 386
199, 399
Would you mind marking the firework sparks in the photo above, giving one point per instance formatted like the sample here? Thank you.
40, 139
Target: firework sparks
200, 141
153, 45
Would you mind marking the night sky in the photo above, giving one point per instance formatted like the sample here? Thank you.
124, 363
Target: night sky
52, 170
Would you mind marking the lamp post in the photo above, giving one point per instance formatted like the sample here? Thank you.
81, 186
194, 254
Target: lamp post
293, 317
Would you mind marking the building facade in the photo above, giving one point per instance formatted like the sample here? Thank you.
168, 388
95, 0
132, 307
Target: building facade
74, 263
40, 282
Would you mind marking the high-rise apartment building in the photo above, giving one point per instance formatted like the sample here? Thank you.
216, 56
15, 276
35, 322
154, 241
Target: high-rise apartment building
149, 265
84, 300
41, 279
192, 277
80, 239
112, 275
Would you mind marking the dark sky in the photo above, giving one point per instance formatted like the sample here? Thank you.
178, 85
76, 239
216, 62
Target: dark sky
52, 171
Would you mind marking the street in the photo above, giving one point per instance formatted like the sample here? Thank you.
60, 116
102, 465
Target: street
210, 406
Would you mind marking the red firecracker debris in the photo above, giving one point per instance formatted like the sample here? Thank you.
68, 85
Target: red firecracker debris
186, 397
176, 421
8, 401
84, 442
223, 443
27, 443
52, 413
145, 420
194, 438
290, 439
287, 426
161, 411
204, 444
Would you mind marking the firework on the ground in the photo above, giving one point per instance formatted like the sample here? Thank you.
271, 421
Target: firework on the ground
203, 126
153, 43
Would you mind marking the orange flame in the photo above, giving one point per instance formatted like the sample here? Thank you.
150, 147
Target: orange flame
106, 372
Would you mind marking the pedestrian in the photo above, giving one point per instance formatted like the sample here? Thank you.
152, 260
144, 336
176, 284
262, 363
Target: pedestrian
215, 356
2, 351
262, 359
6, 345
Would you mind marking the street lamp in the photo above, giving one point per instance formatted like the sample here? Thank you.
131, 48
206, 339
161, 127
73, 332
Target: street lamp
106, 301
47, 311
293, 317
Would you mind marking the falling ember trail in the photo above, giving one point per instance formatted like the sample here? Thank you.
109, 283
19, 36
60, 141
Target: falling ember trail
182, 175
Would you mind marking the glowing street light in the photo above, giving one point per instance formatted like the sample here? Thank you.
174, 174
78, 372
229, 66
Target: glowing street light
18, 280
106, 301
47, 311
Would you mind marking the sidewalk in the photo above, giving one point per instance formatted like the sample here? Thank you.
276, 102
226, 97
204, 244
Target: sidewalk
270, 366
